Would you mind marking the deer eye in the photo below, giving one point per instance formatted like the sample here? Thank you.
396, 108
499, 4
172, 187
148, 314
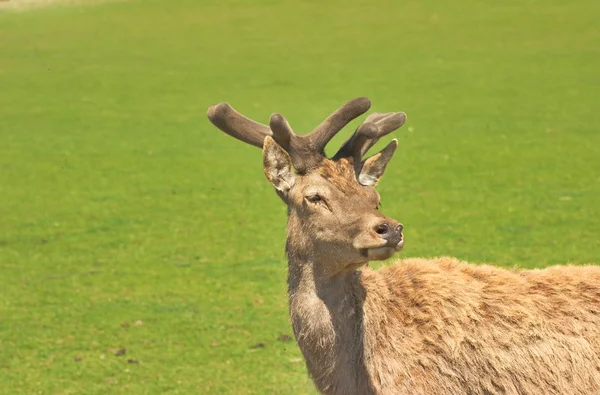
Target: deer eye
314, 198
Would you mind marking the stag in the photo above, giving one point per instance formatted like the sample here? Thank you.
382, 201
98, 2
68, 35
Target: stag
421, 326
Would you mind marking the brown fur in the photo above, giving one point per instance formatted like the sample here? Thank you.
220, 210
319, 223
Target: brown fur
441, 326
341, 175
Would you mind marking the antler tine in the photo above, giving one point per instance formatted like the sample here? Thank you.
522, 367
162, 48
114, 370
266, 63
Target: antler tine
386, 124
302, 153
375, 126
352, 148
336, 122
282, 131
236, 125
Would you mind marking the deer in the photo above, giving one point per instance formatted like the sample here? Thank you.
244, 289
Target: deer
418, 326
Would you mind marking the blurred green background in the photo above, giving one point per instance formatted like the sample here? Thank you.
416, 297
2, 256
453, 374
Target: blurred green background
127, 221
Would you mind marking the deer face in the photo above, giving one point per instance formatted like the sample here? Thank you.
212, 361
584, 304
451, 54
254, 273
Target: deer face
332, 202
331, 211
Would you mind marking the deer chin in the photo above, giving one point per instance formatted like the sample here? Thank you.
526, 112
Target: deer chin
381, 253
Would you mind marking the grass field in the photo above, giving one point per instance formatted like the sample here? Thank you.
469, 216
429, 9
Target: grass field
128, 221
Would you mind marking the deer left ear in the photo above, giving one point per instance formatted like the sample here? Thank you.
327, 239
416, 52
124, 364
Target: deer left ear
277, 166
374, 167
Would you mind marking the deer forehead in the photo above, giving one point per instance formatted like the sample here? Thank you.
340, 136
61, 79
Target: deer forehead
334, 178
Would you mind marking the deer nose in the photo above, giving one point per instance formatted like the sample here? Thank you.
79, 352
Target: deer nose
391, 231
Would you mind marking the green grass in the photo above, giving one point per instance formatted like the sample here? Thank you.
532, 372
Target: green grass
119, 201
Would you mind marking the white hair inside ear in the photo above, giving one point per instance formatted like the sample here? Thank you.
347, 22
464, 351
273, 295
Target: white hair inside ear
277, 166
367, 180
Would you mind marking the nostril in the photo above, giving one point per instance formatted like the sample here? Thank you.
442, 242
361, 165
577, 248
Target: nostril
400, 228
382, 229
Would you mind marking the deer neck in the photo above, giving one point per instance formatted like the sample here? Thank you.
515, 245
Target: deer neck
327, 318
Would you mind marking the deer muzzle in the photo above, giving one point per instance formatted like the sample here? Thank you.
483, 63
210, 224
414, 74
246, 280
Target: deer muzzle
390, 231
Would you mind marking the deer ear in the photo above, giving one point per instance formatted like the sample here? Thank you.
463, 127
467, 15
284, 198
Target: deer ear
277, 166
374, 167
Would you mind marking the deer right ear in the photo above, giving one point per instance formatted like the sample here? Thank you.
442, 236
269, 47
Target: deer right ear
374, 167
277, 166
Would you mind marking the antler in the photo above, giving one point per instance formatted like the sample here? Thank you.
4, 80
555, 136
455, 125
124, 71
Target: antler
236, 125
308, 150
305, 150
367, 134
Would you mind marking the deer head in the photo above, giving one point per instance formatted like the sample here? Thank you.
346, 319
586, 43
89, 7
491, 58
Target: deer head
333, 214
